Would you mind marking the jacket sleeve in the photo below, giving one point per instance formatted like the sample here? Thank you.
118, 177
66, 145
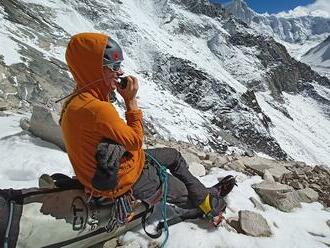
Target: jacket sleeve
111, 126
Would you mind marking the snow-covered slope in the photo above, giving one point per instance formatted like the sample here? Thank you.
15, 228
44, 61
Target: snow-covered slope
319, 57
199, 69
24, 158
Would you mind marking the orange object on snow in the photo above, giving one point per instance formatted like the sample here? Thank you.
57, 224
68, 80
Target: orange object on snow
89, 117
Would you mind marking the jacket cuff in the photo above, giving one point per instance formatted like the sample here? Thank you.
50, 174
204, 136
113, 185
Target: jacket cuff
133, 115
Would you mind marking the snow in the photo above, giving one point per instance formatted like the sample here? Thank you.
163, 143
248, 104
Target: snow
289, 229
25, 157
306, 137
9, 49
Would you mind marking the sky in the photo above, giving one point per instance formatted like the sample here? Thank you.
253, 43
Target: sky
262, 6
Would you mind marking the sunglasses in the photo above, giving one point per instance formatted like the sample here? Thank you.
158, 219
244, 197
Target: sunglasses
113, 66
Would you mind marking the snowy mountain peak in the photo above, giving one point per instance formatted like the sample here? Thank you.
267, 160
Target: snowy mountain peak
241, 10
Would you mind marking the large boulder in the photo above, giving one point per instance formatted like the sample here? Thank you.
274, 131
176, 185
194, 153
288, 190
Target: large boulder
44, 124
308, 195
253, 224
259, 165
197, 169
194, 162
280, 196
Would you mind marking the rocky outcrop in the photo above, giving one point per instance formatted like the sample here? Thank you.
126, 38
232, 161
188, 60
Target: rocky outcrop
303, 176
203, 92
44, 124
39, 78
280, 196
204, 7
307, 195
253, 224
284, 72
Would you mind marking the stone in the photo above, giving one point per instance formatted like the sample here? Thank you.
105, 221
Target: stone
234, 223
24, 123
201, 155
308, 195
280, 196
236, 165
220, 161
257, 204
190, 157
197, 169
212, 156
134, 244
268, 177
296, 185
328, 223
253, 224
3, 107
112, 243
259, 165
44, 124
207, 164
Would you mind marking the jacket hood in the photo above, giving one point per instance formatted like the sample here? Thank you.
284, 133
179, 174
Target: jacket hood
84, 56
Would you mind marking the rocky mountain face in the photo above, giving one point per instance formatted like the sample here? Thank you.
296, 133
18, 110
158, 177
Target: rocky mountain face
38, 77
319, 57
210, 62
294, 30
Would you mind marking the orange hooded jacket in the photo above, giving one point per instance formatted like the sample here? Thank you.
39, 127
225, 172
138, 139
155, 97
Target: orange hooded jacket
88, 117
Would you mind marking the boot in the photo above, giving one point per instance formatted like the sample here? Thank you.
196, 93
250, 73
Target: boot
213, 207
224, 186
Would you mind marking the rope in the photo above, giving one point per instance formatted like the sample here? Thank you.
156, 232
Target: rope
163, 176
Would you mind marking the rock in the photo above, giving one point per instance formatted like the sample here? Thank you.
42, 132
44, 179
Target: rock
212, 156
112, 243
236, 165
280, 196
24, 123
327, 209
3, 107
257, 204
234, 223
328, 223
259, 165
296, 185
190, 157
197, 169
253, 224
308, 195
201, 155
229, 227
154, 244
44, 124
207, 164
133, 244
268, 177
220, 161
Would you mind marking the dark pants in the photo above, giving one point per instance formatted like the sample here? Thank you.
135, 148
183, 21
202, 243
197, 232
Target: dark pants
184, 189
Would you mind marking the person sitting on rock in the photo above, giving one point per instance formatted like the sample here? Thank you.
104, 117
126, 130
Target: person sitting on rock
105, 151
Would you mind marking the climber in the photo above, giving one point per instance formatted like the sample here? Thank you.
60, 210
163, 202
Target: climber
105, 151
